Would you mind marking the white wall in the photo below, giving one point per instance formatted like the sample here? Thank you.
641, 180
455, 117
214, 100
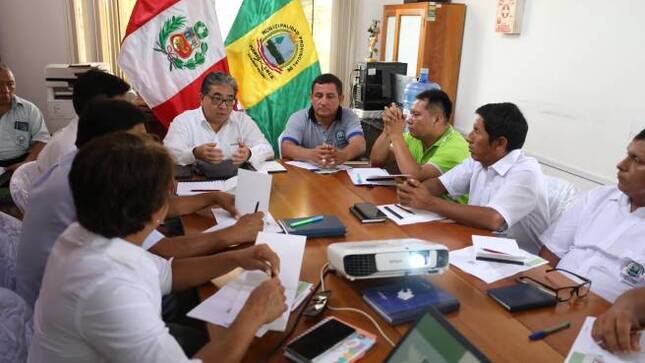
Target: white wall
33, 33
576, 71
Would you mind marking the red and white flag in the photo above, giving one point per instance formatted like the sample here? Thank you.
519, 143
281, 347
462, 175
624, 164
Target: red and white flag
168, 49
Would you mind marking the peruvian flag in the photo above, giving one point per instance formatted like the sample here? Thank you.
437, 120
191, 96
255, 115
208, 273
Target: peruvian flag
168, 49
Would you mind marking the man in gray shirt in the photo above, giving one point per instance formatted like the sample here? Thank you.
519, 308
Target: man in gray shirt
324, 134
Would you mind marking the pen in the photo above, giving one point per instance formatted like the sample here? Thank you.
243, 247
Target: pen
307, 221
397, 215
543, 333
404, 209
257, 205
205, 190
499, 260
493, 251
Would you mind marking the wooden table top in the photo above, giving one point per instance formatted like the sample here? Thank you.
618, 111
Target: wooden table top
500, 335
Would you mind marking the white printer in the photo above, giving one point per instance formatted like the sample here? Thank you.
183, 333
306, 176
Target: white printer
59, 80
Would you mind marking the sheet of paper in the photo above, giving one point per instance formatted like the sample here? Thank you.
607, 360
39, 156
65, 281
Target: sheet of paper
417, 215
198, 187
359, 176
271, 166
490, 272
585, 350
302, 164
222, 308
304, 288
253, 188
504, 245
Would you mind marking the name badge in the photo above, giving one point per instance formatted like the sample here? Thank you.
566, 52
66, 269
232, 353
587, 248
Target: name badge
22, 126
632, 273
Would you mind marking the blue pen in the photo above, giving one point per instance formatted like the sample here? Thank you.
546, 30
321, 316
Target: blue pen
543, 333
307, 221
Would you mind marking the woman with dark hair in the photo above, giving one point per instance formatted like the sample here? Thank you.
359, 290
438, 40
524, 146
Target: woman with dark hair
101, 294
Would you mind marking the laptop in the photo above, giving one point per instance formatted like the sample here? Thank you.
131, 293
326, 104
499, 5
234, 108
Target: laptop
433, 340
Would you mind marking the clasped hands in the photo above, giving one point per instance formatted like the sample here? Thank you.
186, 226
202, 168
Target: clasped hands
327, 156
213, 154
393, 121
413, 193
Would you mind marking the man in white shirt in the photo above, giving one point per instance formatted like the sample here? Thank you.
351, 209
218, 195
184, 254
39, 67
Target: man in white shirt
101, 294
619, 328
602, 236
89, 85
506, 188
214, 132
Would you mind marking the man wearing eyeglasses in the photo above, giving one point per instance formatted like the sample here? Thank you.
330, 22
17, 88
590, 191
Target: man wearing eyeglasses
602, 236
214, 132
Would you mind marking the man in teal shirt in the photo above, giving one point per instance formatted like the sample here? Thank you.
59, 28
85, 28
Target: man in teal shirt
430, 147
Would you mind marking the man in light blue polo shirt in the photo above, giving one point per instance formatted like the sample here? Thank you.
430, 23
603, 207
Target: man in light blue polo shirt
324, 134
23, 132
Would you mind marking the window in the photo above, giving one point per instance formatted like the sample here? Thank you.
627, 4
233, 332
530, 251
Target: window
99, 27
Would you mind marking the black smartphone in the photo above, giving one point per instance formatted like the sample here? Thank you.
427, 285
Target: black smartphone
317, 341
368, 213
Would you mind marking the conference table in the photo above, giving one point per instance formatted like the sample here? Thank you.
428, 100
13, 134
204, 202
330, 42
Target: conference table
502, 336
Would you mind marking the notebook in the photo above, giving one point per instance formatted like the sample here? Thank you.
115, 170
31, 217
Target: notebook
401, 302
521, 296
329, 226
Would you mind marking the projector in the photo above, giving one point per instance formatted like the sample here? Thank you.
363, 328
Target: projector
387, 258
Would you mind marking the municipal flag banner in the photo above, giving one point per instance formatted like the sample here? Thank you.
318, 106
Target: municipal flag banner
271, 54
168, 49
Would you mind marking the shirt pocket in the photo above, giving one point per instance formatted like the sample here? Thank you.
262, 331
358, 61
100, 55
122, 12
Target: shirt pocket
23, 138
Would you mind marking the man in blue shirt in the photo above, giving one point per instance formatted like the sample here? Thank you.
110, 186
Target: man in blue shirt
324, 134
23, 132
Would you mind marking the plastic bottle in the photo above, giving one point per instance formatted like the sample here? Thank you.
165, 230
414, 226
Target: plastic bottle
412, 89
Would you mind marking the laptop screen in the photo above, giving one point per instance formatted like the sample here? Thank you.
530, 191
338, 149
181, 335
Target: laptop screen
433, 340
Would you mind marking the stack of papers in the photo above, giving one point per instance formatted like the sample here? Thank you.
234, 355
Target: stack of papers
489, 272
317, 169
585, 350
223, 307
197, 187
498, 249
270, 167
360, 176
407, 215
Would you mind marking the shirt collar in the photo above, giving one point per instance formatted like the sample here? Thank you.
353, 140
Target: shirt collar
503, 165
624, 203
442, 139
117, 249
312, 114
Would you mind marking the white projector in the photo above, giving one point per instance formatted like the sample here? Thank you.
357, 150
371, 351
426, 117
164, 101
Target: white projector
387, 258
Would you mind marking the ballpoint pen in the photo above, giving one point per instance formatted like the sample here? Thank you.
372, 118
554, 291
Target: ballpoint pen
397, 215
404, 209
543, 333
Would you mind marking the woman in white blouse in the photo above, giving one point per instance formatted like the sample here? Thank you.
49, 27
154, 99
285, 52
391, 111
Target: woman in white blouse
100, 299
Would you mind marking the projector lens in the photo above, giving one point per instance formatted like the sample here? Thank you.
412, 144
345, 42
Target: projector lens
417, 260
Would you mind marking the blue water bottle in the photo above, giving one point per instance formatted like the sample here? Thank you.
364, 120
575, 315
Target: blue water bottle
412, 89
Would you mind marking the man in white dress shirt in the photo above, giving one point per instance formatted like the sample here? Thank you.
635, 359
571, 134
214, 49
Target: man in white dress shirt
506, 189
602, 236
101, 294
214, 132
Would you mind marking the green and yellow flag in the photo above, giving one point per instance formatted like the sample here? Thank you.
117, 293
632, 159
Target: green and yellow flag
271, 54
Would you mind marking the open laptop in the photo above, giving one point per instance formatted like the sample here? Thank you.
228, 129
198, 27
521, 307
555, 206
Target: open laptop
433, 340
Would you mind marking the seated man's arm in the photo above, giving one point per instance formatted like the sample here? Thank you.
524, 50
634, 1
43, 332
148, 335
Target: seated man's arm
355, 148
558, 239
381, 154
546, 254
182, 205
618, 329
417, 195
203, 244
254, 140
407, 164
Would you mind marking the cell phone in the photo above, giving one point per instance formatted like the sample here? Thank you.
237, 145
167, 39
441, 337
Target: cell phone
368, 213
320, 339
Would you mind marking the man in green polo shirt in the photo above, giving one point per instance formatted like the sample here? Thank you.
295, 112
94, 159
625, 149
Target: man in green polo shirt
430, 147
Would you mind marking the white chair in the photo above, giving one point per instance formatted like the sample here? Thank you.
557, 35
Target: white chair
280, 144
20, 184
10, 228
560, 194
16, 327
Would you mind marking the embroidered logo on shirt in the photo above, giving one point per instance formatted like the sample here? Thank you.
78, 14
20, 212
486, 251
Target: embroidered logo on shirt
340, 135
22, 126
633, 272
